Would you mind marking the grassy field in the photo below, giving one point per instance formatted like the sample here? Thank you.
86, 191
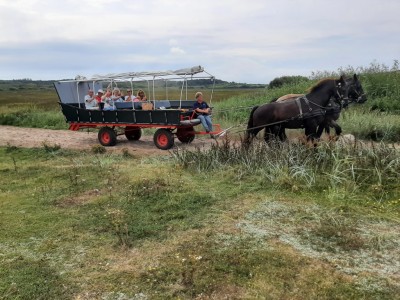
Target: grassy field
282, 221
200, 224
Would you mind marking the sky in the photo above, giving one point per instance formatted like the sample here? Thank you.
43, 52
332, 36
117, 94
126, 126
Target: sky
251, 41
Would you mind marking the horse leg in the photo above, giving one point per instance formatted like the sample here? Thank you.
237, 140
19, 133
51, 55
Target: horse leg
321, 128
311, 132
338, 129
282, 134
250, 135
268, 134
251, 132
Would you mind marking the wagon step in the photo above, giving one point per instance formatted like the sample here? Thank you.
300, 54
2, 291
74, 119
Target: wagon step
192, 122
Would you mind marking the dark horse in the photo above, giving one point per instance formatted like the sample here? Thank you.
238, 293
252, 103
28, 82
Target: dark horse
307, 111
355, 94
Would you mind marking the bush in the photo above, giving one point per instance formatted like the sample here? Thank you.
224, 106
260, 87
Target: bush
99, 149
286, 80
50, 148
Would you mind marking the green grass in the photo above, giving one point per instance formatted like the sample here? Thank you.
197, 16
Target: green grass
371, 125
277, 222
83, 225
32, 116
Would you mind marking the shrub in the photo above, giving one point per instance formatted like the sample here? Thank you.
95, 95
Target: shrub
286, 80
126, 153
98, 149
50, 148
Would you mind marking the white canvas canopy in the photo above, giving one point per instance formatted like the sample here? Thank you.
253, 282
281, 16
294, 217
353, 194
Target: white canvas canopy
72, 91
153, 74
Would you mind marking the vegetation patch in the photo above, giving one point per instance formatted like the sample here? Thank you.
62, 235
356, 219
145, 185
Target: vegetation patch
332, 236
352, 168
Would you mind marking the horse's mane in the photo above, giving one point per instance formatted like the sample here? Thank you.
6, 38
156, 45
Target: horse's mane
319, 84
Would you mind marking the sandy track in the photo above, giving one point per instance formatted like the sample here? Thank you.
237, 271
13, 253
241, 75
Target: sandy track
35, 137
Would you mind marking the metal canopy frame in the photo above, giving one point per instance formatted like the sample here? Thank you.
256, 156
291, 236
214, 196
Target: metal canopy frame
178, 75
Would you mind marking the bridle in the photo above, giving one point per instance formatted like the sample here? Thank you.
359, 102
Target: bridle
341, 97
359, 95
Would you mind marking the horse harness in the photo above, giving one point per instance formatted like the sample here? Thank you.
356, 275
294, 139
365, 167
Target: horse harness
320, 111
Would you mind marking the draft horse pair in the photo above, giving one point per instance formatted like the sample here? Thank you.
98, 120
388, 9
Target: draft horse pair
313, 111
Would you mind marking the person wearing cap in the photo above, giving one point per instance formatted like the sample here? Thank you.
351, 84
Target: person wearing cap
99, 96
203, 112
90, 101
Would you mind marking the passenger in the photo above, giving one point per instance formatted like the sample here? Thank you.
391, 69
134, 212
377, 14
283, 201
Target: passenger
130, 97
116, 95
108, 101
90, 101
203, 112
141, 96
99, 96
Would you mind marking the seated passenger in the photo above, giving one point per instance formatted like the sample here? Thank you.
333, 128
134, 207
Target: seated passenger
90, 101
141, 96
99, 96
203, 112
116, 95
130, 97
107, 100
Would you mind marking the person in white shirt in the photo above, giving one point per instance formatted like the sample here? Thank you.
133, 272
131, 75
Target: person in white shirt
90, 101
130, 97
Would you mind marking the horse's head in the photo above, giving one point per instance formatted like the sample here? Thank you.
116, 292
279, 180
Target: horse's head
342, 89
355, 90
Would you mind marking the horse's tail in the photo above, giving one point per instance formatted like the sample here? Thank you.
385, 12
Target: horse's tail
250, 125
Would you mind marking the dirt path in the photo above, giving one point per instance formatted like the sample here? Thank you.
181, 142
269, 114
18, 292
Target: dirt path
35, 137
78, 140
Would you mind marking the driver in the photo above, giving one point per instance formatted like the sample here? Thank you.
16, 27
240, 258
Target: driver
203, 112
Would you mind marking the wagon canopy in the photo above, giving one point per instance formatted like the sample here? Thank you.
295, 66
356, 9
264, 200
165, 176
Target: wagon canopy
181, 72
73, 91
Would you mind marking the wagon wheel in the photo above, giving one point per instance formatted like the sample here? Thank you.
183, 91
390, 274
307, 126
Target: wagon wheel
133, 134
185, 135
107, 136
163, 139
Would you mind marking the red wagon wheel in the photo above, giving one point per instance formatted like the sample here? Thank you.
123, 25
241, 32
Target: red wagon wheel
107, 136
163, 139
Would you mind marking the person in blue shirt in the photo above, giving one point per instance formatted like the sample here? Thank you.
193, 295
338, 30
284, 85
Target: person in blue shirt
203, 112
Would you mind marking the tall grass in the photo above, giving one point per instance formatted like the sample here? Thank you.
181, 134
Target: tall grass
371, 125
30, 115
358, 168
